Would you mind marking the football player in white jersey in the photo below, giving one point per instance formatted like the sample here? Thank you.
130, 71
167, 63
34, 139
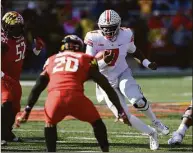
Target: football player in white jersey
178, 135
116, 42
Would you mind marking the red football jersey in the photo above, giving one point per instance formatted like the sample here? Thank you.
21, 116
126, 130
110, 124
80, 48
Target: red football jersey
67, 70
12, 58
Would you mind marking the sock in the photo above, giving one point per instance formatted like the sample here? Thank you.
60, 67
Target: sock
114, 110
139, 125
100, 133
182, 129
50, 137
149, 113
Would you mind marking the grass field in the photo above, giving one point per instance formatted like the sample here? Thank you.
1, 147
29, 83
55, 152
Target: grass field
155, 90
76, 136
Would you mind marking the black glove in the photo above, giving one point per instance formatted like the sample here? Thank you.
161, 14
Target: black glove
108, 56
152, 66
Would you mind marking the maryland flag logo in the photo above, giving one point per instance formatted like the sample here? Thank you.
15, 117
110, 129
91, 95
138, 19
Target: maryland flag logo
12, 18
94, 63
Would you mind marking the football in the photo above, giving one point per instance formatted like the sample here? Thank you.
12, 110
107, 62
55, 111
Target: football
100, 54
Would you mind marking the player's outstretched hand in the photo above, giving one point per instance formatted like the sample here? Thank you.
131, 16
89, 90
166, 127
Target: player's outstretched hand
122, 117
39, 43
153, 66
22, 118
108, 56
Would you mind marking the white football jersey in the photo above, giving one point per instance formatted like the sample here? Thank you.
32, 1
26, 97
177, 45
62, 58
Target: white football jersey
124, 43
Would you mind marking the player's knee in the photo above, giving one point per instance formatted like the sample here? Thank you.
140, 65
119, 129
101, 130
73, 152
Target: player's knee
141, 104
188, 113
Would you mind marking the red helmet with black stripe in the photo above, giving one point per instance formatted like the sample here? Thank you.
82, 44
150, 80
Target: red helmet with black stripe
109, 22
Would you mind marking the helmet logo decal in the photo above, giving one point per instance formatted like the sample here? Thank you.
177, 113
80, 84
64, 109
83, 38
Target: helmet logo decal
12, 18
108, 15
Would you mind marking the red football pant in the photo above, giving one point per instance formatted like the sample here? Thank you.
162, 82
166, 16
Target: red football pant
11, 91
59, 104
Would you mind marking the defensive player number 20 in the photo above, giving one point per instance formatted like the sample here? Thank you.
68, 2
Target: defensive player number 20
69, 64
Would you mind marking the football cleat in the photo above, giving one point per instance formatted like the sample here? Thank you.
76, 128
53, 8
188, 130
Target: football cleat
153, 140
176, 139
160, 127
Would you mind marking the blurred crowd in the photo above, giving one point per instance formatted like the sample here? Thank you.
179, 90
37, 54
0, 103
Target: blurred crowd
162, 28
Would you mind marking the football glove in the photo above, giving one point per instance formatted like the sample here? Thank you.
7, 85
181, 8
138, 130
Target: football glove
122, 117
152, 66
39, 43
23, 117
108, 56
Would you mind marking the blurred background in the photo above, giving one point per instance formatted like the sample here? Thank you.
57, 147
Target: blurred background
162, 28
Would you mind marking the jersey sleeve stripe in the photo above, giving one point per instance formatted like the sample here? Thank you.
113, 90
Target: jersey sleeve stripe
132, 38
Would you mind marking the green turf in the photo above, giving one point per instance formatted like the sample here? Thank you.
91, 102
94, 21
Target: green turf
78, 136
155, 90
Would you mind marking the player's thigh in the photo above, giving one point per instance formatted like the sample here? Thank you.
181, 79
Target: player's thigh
129, 87
83, 109
6, 91
17, 97
55, 108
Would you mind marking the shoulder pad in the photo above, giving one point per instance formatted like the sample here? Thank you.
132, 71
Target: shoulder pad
91, 37
127, 34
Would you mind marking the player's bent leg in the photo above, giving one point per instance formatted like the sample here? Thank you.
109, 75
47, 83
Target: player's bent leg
11, 95
100, 133
132, 91
7, 118
177, 136
83, 109
142, 105
55, 110
50, 132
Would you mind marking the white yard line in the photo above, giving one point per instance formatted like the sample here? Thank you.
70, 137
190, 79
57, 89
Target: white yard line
81, 138
119, 134
27, 83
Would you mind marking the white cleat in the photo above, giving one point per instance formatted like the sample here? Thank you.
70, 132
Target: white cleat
153, 140
160, 127
176, 139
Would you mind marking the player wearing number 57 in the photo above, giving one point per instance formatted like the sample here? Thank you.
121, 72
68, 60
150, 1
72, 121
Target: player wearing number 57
13, 52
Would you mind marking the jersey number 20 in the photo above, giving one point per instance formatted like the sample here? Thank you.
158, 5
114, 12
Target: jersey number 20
69, 64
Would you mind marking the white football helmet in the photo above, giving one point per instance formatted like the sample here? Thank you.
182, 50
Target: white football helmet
109, 22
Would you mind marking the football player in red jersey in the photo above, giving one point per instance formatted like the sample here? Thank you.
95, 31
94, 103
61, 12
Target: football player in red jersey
65, 74
13, 52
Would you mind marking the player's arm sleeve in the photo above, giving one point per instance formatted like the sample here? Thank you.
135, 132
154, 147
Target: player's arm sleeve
136, 53
41, 84
91, 49
101, 80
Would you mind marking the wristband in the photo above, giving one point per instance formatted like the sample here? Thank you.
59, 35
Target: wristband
28, 108
146, 62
